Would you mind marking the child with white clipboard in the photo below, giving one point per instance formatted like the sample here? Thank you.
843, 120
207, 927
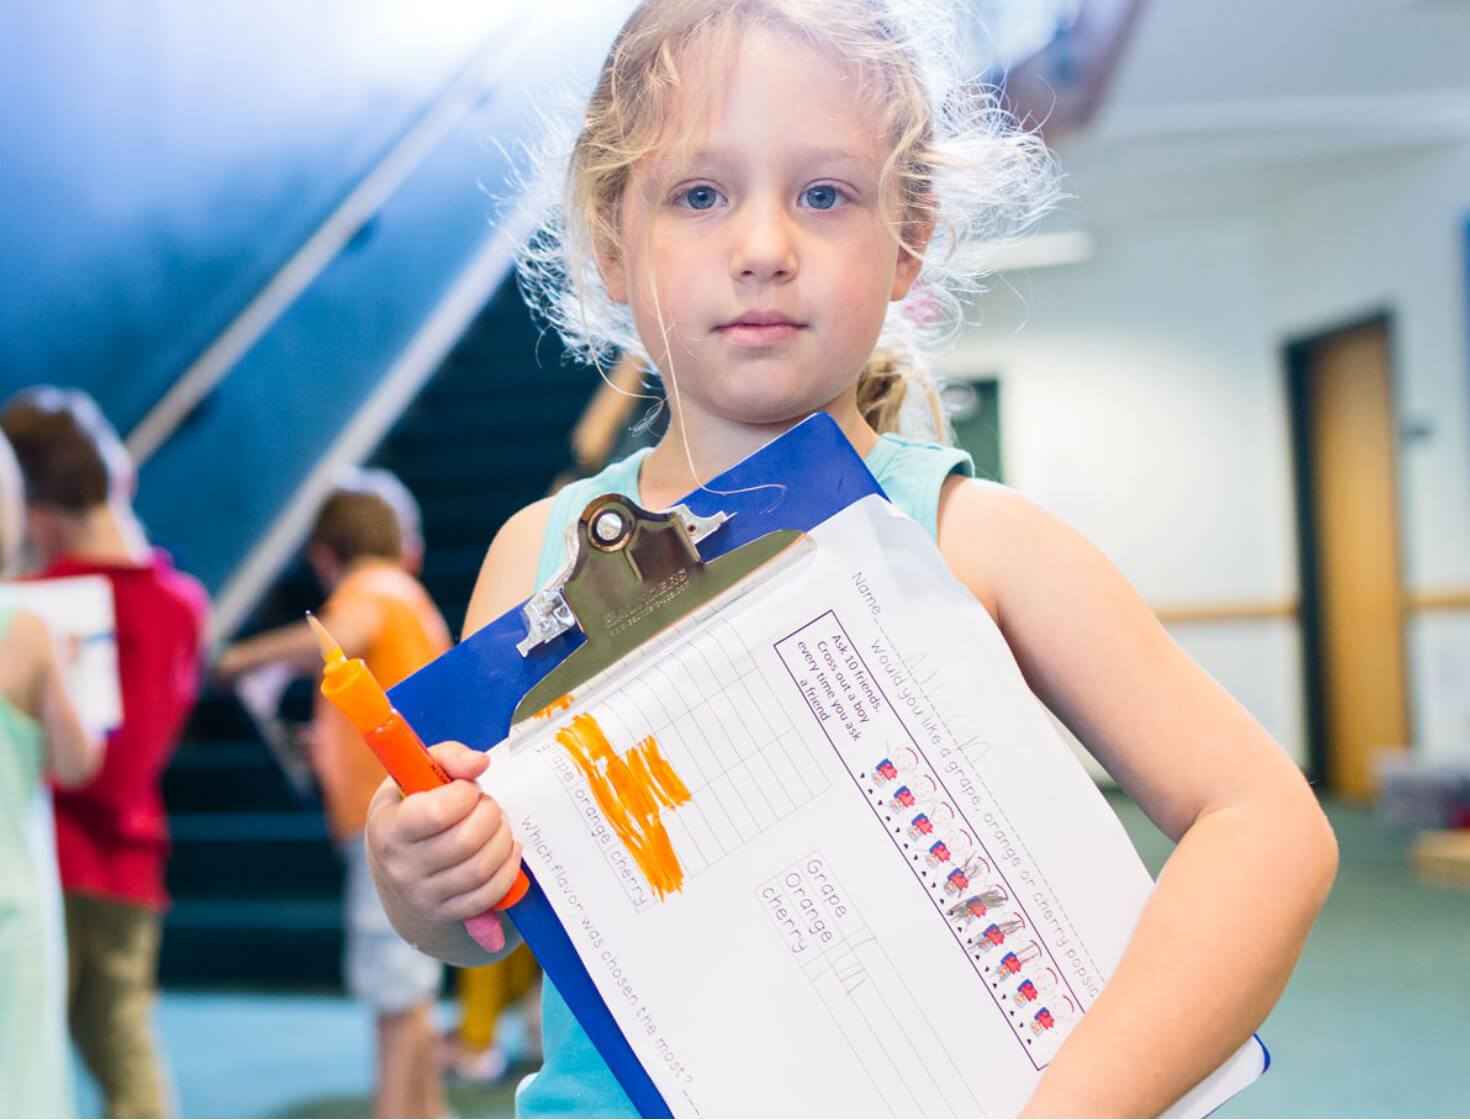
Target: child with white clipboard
756, 191
41, 735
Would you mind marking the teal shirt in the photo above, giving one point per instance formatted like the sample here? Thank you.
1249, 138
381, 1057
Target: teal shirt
575, 1081
35, 1077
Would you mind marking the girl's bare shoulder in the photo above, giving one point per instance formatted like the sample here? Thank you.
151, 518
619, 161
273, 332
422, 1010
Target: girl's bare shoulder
982, 526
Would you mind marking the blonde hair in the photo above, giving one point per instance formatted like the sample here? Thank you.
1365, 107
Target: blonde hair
956, 160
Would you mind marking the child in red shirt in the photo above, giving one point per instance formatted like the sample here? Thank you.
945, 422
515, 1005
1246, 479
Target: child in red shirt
112, 834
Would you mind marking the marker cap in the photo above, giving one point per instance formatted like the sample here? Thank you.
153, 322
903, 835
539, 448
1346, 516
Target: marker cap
352, 689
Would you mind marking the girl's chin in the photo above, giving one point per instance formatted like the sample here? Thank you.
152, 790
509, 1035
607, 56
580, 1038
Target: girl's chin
770, 405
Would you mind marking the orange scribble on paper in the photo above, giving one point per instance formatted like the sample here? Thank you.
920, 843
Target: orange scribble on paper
629, 790
555, 706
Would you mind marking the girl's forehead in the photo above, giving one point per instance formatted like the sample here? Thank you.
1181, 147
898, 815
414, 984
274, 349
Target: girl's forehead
768, 90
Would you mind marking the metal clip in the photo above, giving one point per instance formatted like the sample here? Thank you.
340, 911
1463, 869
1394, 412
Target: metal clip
548, 614
629, 575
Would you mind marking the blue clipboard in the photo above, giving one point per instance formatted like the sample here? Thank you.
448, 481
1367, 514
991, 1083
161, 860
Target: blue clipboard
469, 694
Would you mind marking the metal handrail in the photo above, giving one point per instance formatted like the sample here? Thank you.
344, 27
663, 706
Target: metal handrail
320, 249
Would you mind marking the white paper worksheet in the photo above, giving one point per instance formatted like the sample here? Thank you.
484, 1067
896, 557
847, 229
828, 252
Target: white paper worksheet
79, 612
822, 851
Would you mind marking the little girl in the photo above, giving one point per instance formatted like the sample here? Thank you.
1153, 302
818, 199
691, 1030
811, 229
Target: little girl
762, 193
39, 732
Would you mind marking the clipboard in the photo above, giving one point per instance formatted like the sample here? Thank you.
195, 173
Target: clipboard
79, 608
539, 653
490, 667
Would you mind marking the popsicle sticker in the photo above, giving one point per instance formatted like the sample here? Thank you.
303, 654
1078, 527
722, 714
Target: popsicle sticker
943, 851
630, 790
1032, 988
977, 905
1047, 1018
1013, 962
958, 881
888, 769
909, 795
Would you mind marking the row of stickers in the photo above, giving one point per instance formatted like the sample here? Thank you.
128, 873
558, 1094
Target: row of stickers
976, 901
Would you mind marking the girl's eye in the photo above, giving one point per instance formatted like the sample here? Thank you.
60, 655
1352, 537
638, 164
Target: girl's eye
699, 198
824, 196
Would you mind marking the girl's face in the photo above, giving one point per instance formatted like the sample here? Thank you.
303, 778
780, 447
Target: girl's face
755, 257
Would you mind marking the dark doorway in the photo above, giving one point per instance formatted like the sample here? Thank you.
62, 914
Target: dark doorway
1345, 449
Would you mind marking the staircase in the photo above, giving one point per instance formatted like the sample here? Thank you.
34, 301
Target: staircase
255, 881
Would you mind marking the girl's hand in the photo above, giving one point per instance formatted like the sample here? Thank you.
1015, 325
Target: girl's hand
447, 852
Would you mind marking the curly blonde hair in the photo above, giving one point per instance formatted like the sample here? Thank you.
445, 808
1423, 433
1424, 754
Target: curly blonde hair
957, 163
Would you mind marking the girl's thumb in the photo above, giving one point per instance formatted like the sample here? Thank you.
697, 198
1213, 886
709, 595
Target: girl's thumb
459, 761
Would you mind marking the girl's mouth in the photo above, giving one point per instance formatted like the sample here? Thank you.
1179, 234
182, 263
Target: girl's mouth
760, 329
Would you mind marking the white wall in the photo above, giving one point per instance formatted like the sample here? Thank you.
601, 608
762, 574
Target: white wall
1144, 402
1389, 233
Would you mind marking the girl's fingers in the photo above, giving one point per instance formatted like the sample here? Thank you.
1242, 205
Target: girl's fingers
471, 903
473, 868
434, 812
452, 846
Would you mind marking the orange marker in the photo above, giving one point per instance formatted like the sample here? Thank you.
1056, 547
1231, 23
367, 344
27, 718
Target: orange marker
357, 695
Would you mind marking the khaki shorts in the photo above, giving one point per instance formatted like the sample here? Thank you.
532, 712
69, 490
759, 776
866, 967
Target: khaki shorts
379, 967
112, 958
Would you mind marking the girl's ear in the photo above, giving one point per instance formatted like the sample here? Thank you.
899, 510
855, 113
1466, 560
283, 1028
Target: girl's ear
608, 257
610, 268
911, 255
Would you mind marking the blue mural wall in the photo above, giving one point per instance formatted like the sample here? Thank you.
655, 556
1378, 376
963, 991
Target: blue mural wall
162, 159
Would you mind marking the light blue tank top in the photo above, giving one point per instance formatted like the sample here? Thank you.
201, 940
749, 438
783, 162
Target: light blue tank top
35, 1076
22, 758
575, 1081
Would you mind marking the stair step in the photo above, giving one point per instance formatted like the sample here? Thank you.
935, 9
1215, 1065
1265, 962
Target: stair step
476, 376
261, 855
275, 943
455, 563
218, 715
477, 469
252, 827
256, 880
265, 913
228, 777
544, 418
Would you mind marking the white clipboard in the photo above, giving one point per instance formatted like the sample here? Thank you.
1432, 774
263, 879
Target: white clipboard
80, 614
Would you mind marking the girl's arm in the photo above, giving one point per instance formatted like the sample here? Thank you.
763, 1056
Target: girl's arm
73, 755
1255, 857
446, 855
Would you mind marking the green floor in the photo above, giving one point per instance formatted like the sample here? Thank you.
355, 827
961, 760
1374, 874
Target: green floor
1375, 1022
1376, 1018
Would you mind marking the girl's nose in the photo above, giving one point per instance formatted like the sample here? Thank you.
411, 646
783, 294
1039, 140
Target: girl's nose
764, 249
